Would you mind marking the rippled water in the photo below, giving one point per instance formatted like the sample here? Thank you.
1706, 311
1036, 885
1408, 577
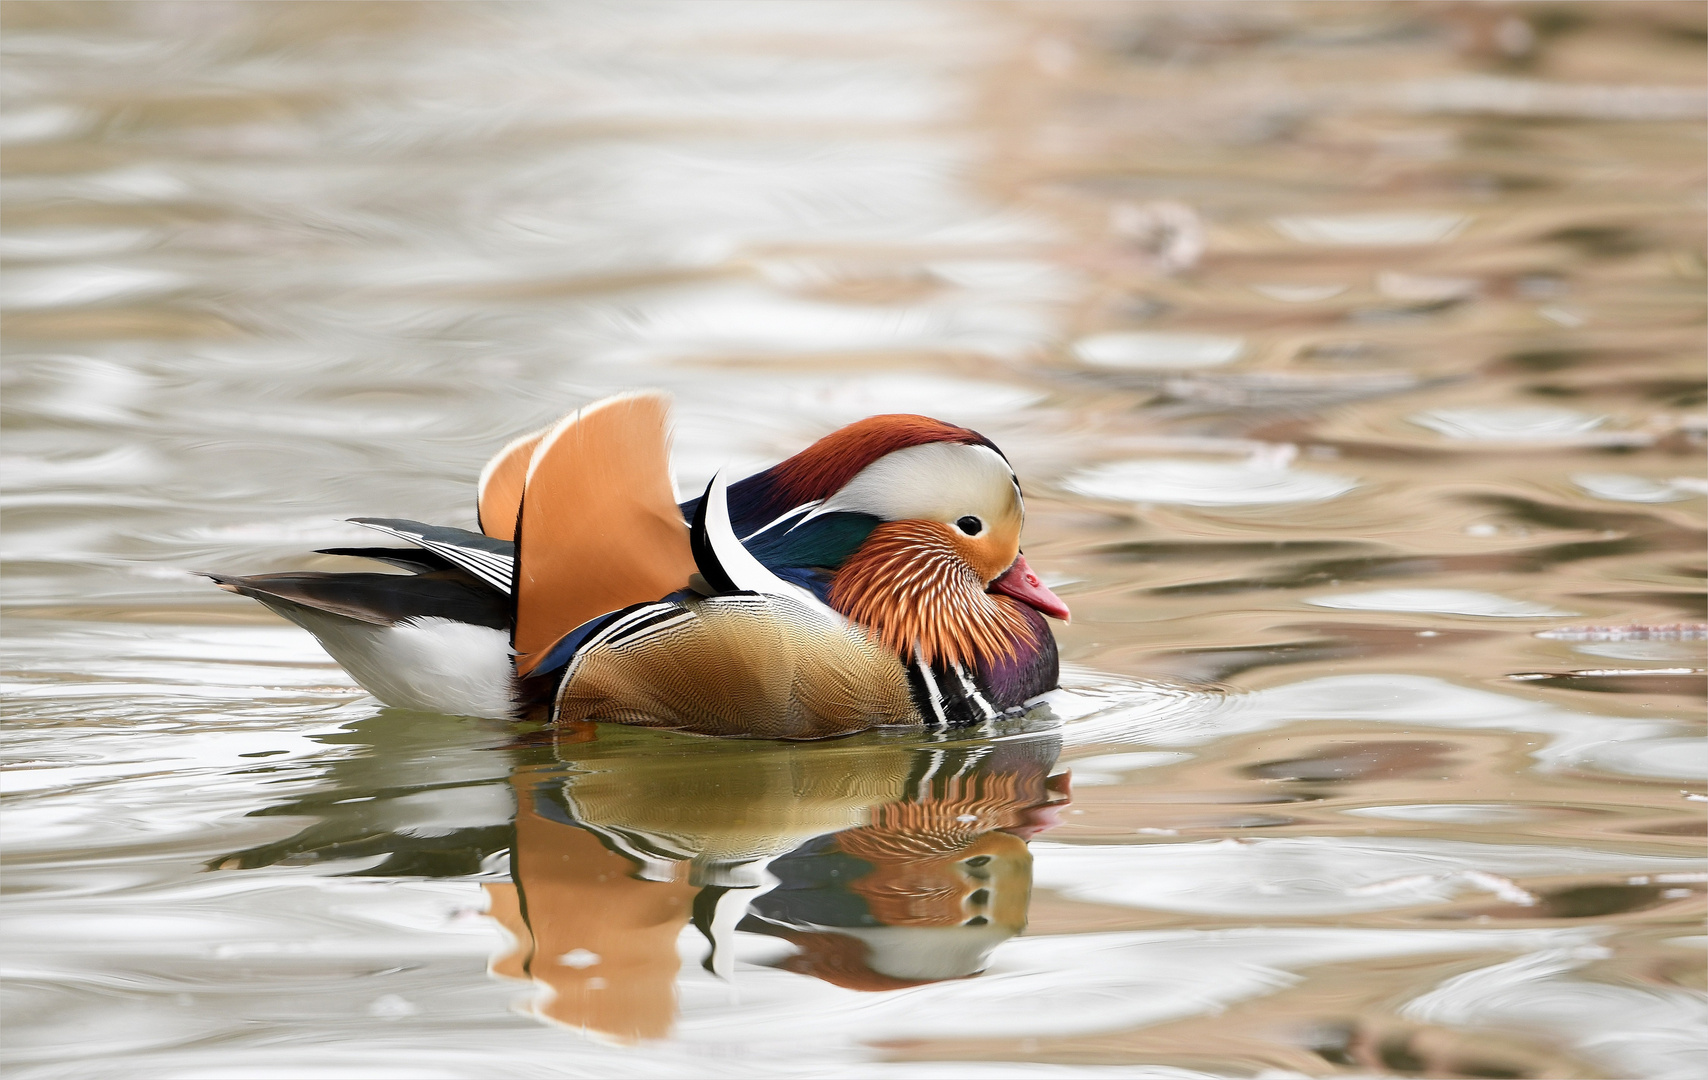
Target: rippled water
1351, 356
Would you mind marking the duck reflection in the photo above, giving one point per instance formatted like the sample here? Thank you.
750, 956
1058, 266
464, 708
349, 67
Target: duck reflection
884, 866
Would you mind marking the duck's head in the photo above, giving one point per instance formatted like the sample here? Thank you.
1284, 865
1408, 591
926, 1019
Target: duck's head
918, 522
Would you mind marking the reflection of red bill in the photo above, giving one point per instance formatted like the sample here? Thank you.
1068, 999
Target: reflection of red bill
1047, 815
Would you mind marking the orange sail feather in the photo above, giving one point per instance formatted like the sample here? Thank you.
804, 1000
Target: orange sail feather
498, 498
599, 526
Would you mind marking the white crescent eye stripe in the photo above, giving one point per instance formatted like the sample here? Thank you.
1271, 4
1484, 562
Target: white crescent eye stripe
739, 565
932, 482
804, 508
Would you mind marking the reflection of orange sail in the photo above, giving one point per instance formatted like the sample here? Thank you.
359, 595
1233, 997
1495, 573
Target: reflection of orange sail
602, 943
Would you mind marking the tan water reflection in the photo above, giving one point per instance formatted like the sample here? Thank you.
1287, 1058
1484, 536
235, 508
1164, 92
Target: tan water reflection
884, 867
1351, 356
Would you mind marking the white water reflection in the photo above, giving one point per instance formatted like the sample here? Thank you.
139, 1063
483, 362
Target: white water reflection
1361, 230
841, 401
1449, 813
1102, 769
1300, 294
1651, 651
1439, 601
1160, 716
1421, 288
41, 123
1640, 1030
1307, 876
737, 319
1124, 980
1622, 487
62, 286
1515, 423
69, 243
1150, 350
1207, 483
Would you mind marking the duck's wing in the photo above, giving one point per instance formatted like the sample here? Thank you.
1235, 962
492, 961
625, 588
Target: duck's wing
415, 560
490, 560
599, 527
763, 658
738, 664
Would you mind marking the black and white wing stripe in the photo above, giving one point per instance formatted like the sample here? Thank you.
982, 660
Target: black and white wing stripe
492, 561
947, 696
419, 560
641, 623
927, 693
728, 566
935, 768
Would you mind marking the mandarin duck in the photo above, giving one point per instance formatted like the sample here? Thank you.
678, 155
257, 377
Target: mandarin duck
873, 579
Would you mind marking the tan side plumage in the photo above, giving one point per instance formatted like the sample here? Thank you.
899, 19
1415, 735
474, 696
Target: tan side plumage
600, 529
498, 496
759, 666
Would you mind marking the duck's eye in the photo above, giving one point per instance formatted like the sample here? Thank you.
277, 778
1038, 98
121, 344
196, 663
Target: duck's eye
970, 525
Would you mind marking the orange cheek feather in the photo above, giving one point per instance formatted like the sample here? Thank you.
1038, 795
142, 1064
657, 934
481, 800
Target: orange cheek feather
990, 554
912, 586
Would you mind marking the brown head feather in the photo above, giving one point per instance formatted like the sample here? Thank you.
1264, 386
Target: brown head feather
823, 468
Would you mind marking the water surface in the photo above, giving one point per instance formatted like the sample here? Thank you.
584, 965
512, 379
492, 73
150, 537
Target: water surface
1350, 355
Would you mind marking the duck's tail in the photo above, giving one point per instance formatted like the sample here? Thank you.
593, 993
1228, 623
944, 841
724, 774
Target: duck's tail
433, 640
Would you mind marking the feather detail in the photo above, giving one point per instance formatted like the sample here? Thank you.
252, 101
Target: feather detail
492, 561
909, 585
432, 641
415, 560
724, 560
599, 528
498, 499
826, 466
741, 665
376, 599
1035, 667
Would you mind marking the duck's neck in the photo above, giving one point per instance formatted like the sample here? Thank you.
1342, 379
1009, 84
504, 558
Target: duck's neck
1034, 668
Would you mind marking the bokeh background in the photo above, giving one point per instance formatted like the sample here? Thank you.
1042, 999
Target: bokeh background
1351, 355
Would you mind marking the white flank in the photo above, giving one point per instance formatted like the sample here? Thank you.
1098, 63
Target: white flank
429, 664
